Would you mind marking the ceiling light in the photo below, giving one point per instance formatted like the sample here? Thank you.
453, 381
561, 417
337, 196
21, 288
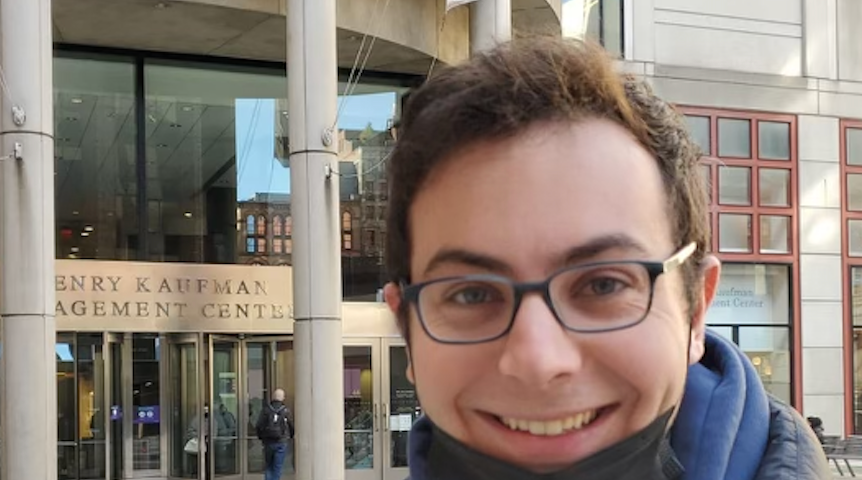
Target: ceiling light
188, 214
77, 101
75, 212
175, 125
75, 249
162, 145
85, 234
187, 108
89, 228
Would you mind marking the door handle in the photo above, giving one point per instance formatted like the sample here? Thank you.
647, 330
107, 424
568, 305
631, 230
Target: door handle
376, 419
385, 417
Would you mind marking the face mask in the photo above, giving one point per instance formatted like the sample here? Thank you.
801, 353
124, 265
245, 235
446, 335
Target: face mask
644, 456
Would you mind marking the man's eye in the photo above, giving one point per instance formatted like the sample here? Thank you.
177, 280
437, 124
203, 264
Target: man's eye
605, 286
474, 295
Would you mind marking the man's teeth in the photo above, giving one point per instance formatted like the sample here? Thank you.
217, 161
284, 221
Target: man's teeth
553, 427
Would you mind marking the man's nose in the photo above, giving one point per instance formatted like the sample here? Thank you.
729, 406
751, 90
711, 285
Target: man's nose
539, 351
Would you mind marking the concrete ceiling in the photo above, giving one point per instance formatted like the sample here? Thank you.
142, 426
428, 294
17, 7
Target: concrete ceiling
256, 31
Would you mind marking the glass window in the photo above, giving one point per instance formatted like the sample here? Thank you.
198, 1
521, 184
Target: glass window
773, 140
734, 185
597, 20
146, 402
751, 294
249, 245
288, 226
81, 412
288, 245
97, 211
277, 227
346, 223
855, 236
734, 233
857, 374
277, 245
854, 146
348, 241
213, 139
774, 187
774, 234
768, 348
261, 246
359, 405
854, 191
404, 405
699, 127
734, 138
261, 225
856, 294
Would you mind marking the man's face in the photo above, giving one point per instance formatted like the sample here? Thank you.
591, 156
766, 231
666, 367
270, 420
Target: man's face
518, 207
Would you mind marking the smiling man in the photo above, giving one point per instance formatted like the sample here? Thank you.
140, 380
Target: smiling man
546, 242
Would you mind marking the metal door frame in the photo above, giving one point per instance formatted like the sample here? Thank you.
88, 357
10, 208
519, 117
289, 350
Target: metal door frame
375, 473
108, 340
239, 382
385, 377
170, 340
269, 383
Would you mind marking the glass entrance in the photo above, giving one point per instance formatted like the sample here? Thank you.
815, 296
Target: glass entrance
268, 365
184, 407
224, 404
380, 406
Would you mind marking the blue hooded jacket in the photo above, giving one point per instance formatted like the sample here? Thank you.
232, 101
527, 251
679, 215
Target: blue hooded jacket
728, 426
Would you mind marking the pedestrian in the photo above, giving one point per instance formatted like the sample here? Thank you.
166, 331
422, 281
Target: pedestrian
547, 248
274, 428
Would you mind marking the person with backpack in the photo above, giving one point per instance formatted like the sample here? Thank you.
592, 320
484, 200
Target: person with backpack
274, 428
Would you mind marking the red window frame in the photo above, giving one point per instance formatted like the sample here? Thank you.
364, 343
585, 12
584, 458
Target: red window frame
848, 262
755, 210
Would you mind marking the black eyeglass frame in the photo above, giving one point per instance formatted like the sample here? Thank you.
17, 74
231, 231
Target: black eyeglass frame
411, 293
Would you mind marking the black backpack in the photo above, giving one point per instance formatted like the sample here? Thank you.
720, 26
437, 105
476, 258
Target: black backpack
276, 425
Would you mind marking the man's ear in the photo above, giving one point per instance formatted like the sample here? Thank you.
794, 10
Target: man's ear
710, 273
392, 296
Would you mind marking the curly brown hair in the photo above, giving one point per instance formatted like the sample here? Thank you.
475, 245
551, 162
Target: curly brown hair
501, 93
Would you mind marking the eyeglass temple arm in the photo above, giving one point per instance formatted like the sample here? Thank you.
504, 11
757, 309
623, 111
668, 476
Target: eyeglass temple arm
679, 257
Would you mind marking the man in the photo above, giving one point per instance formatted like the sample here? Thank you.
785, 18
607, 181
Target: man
546, 244
274, 428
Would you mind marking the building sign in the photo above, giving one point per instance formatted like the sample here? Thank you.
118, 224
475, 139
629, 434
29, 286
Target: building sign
751, 294
131, 291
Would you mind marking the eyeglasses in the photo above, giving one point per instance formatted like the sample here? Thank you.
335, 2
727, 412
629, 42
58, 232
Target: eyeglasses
589, 298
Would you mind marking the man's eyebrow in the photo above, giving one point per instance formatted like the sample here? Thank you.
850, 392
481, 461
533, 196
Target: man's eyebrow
574, 255
466, 257
600, 245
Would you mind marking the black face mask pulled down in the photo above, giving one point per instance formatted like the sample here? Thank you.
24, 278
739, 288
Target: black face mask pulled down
647, 455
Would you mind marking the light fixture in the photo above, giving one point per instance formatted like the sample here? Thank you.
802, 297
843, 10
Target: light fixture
77, 101
85, 234
162, 145
75, 250
187, 108
175, 125
89, 228
75, 212
188, 214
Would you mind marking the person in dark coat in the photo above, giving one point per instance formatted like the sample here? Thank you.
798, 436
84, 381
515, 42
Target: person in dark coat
274, 428
547, 244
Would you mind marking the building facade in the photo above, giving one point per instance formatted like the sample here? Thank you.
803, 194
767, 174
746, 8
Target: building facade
174, 227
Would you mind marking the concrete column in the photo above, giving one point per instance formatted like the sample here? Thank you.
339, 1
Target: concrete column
490, 24
820, 271
28, 392
314, 187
